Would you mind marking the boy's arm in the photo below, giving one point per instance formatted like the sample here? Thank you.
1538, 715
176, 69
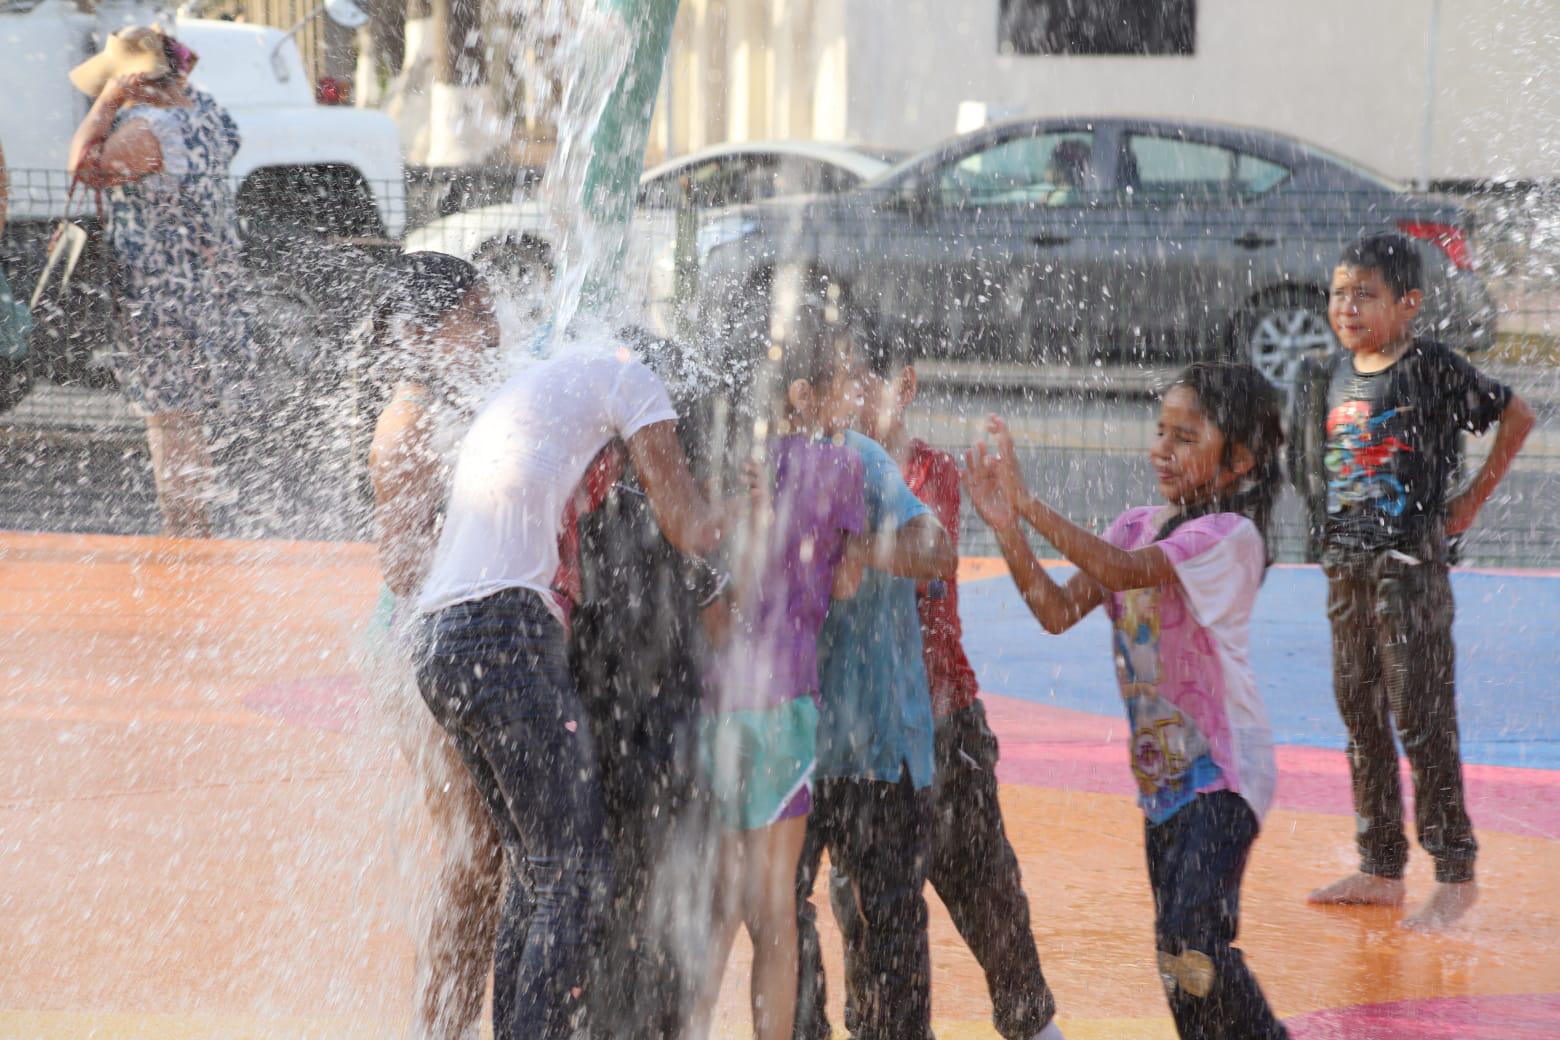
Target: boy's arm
404, 473
853, 564
921, 549
1303, 420
1516, 422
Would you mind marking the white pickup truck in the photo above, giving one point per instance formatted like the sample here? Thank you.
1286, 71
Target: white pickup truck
314, 183
255, 71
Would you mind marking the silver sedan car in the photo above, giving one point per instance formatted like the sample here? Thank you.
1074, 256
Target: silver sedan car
1096, 237
517, 240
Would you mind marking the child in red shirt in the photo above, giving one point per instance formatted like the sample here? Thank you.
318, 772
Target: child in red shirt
973, 867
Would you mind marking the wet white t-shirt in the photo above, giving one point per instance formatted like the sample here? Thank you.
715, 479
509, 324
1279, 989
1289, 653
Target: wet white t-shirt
526, 452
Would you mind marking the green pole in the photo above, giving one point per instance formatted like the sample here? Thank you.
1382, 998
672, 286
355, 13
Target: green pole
618, 145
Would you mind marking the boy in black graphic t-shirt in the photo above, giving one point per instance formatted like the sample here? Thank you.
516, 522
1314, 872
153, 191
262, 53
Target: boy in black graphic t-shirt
1394, 407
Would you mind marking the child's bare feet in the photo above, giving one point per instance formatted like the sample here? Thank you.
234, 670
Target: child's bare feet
1360, 890
1445, 905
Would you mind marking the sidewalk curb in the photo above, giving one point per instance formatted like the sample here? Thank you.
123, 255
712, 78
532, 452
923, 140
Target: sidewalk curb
1537, 384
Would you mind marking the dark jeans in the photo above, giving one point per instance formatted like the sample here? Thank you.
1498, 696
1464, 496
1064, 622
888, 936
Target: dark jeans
877, 833
1393, 663
1195, 862
975, 872
495, 675
644, 707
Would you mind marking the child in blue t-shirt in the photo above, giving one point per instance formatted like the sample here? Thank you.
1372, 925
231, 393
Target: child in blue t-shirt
872, 801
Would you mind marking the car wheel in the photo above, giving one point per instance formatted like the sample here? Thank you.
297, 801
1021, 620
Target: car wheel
1280, 332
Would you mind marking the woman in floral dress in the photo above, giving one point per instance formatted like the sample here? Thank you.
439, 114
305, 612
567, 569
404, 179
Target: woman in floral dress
160, 151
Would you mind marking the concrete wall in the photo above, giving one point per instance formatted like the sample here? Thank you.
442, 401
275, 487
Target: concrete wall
1345, 74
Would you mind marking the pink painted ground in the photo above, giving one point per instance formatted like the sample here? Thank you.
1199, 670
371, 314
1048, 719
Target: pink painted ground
1057, 747
1521, 1017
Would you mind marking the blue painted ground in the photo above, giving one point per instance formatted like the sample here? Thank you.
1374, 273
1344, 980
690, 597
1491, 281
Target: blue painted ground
1508, 657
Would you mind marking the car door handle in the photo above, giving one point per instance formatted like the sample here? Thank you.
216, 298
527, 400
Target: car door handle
1051, 240
1252, 240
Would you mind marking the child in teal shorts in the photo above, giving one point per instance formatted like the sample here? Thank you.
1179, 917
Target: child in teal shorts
760, 735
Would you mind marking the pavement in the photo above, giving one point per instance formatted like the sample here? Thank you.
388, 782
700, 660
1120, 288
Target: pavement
209, 832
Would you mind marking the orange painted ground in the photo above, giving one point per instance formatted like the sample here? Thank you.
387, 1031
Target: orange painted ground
204, 832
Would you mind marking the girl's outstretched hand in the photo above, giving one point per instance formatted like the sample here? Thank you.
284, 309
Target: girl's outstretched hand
991, 500
1004, 458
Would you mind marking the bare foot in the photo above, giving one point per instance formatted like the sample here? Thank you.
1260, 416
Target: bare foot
1360, 890
1445, 905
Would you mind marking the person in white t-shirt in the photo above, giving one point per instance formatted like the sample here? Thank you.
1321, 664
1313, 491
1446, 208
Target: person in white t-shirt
1179, 582
494, 670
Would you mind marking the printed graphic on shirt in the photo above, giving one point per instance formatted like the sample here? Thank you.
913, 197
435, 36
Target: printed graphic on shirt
1171, 758
1362, 455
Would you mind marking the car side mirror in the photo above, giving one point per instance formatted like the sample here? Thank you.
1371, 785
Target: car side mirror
346, 14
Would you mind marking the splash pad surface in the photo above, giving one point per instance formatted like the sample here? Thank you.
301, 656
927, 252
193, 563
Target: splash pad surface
207, 831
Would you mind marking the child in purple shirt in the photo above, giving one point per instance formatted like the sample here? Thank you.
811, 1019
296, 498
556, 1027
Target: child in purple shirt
759, 743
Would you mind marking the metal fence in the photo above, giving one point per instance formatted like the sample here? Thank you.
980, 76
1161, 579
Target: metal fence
999, 327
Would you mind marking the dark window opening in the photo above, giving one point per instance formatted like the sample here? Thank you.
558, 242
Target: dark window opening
1098, 27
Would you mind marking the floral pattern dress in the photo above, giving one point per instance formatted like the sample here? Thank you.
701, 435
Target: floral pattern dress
184, 322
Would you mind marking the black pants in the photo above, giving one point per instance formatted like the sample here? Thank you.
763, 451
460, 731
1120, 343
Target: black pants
495, 676
975, 873
877, 833
643, 705
1394, 664
1195, 862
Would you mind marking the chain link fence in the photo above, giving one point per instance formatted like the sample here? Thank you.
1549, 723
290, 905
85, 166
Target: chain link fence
1066, 326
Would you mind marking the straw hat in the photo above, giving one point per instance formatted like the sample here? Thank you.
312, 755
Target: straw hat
137, 49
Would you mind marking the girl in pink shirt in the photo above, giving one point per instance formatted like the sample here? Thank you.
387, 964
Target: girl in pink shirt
1179, 581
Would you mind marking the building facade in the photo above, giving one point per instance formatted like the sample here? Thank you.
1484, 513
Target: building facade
1437, 90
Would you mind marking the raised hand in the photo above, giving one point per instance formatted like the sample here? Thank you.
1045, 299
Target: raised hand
132, 88
984, 484
1004, 458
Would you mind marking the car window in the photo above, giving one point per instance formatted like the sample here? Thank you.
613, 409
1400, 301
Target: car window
1044, 169
795, 175
1255, 176
834, 179
662, 192
743, 179
1157, 170
725, 181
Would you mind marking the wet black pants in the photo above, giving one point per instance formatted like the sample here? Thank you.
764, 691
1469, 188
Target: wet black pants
878, 834
1195, 862
1394, 666
975, 872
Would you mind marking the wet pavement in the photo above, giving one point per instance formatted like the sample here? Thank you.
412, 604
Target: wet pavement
219, 839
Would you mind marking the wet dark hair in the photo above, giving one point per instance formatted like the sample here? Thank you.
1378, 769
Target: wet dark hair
819, 337
1248, 411
1390, 255
885, 354
423, 288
